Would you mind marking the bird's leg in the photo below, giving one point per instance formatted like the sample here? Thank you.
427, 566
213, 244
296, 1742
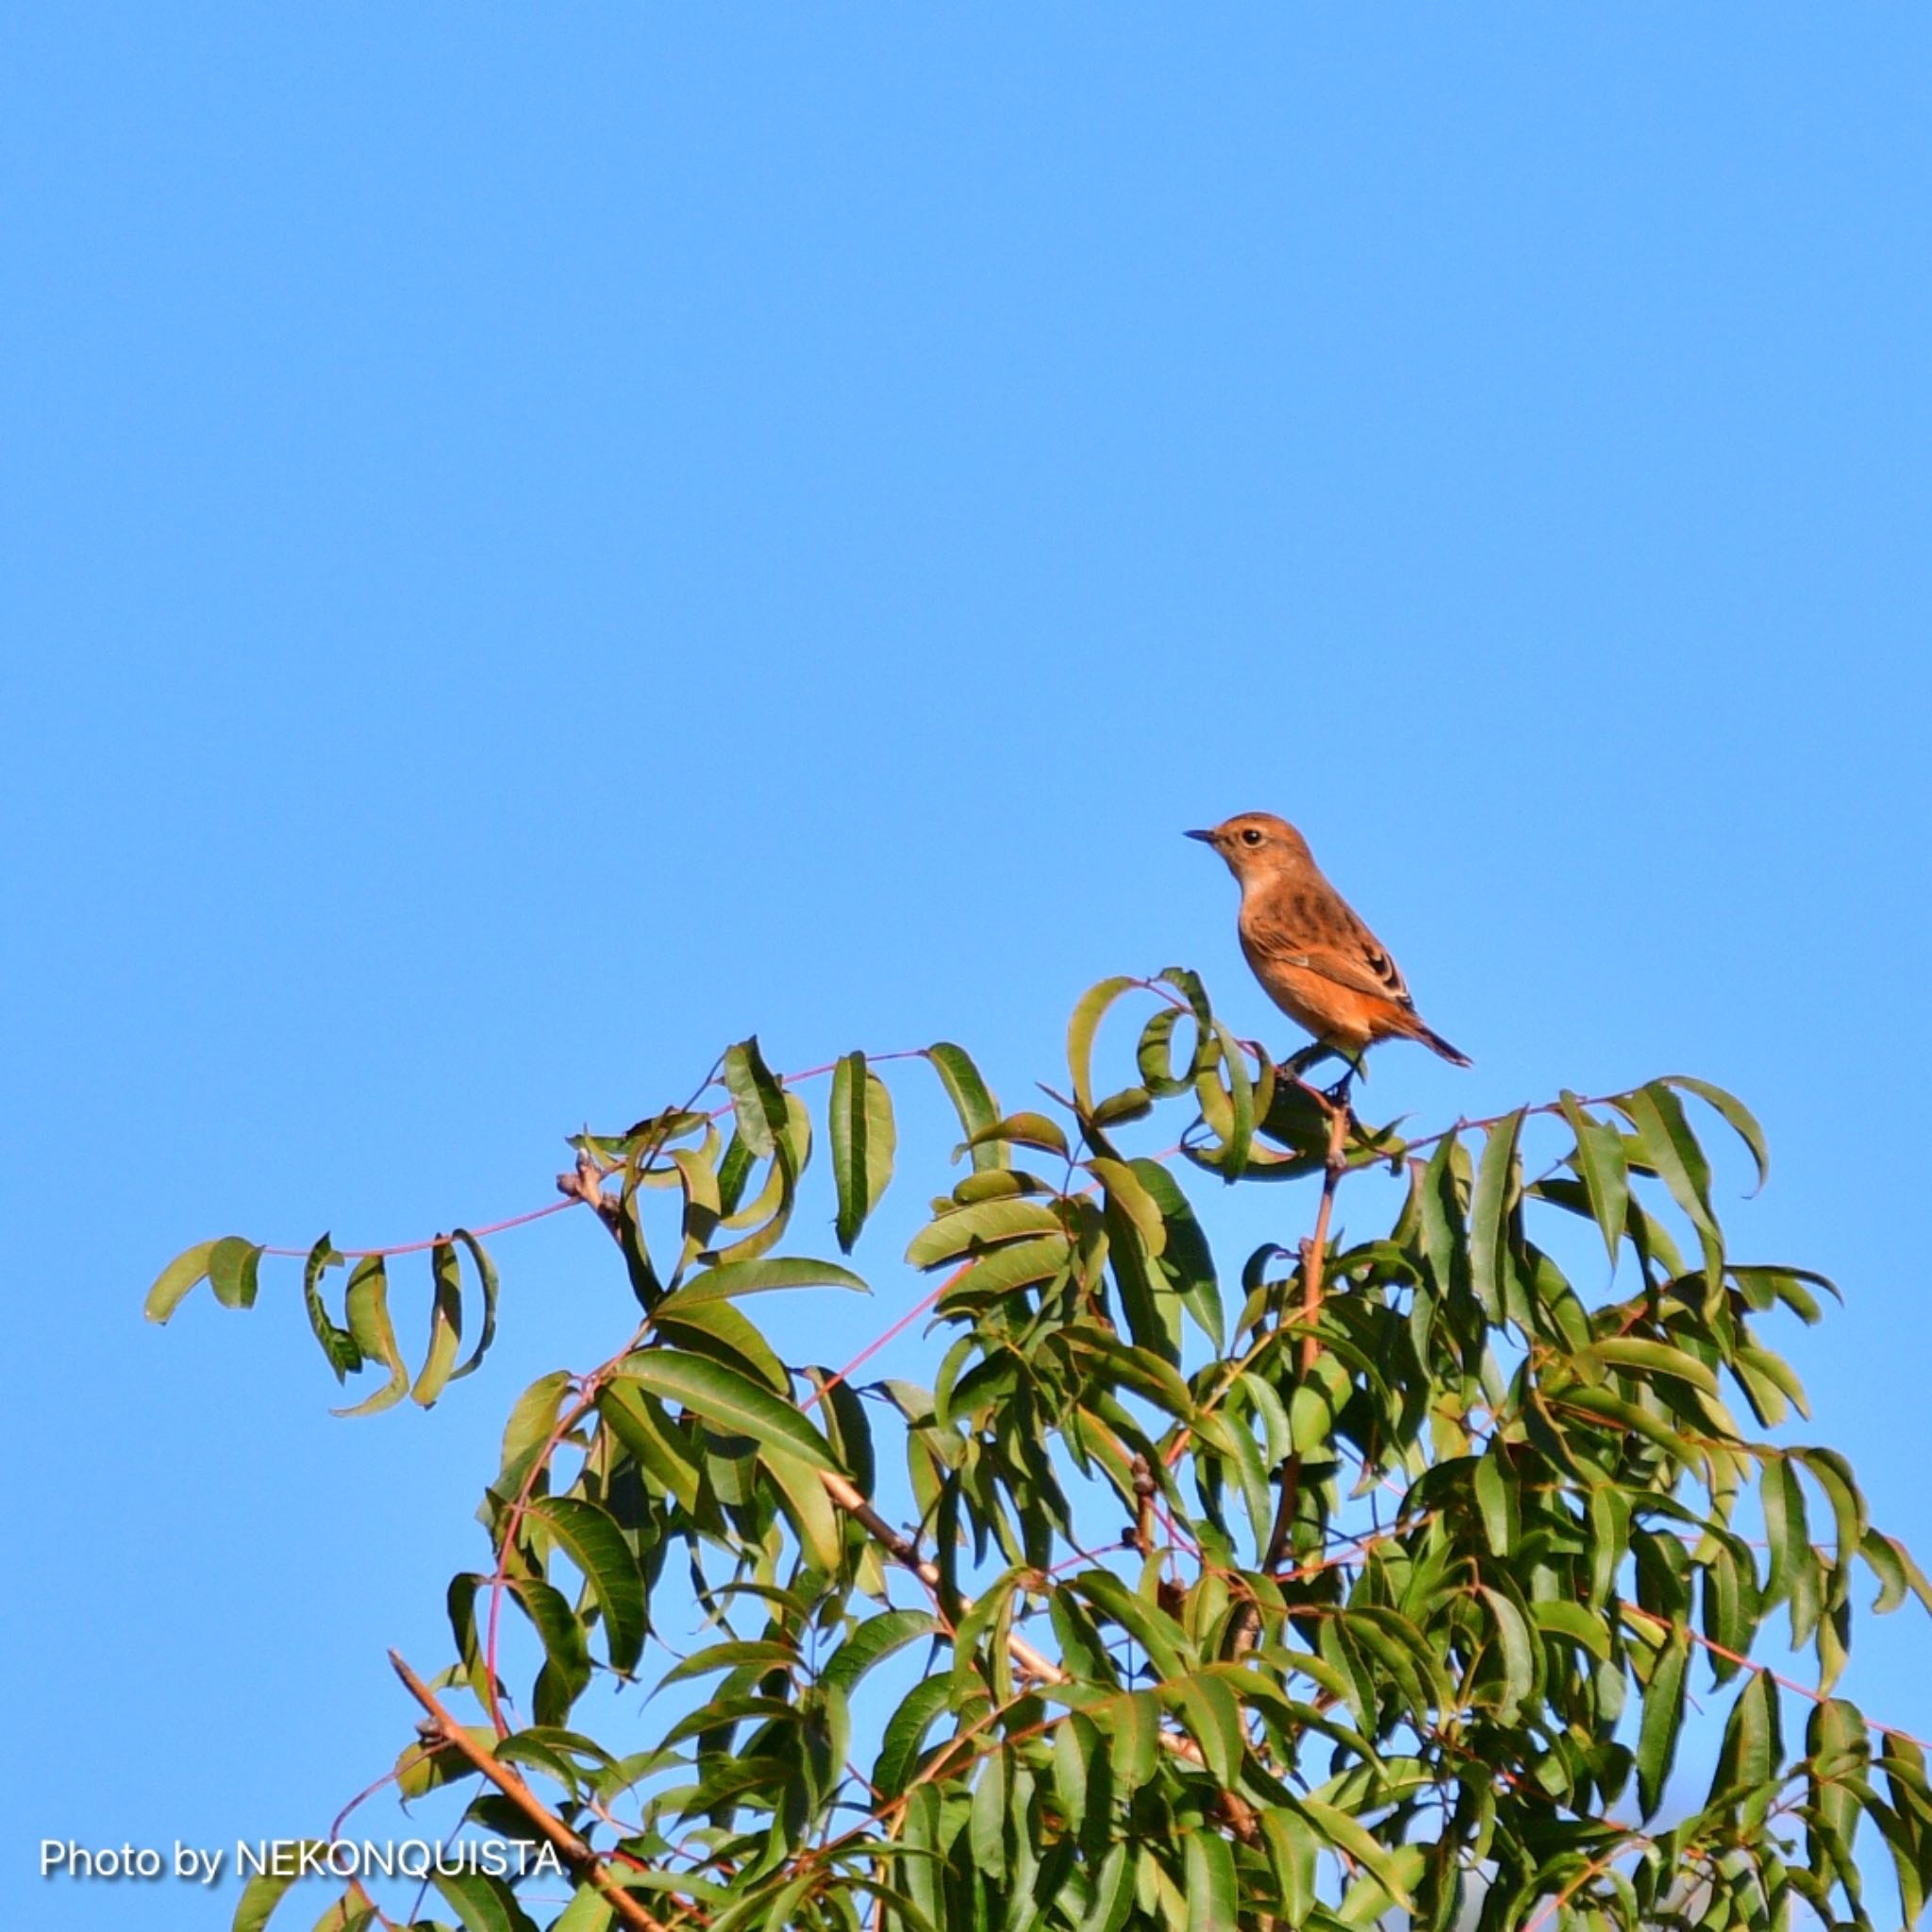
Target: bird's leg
1298, 1064
1338, 1094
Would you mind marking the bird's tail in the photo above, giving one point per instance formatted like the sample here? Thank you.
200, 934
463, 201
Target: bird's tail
1430, 1038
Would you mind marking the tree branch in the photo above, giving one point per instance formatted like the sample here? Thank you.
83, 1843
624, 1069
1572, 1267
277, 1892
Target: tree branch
575, 1851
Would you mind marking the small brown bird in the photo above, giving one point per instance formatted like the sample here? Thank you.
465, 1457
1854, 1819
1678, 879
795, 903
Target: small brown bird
1316, 960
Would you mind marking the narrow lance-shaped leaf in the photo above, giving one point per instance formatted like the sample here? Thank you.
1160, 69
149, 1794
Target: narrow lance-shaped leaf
1153, 1056
731, 1279
1211, 1894
567, 1656
846, 1126
1602, 1169
445, 1325
1663, 1719
338, 1345
595, 1544
1740, 1117
486, 1277
728, 1400
1348, 1834
482, 1901
1910, 1843
875, 1639
971, 1100
1672, 1148
1087, 1013
757, 1099
703, 1206
804, 1501
1753, 1748
233, 1271
183, 1273
264, 1891
1488, 1215
375, 1334
863, 1140
1185, 1258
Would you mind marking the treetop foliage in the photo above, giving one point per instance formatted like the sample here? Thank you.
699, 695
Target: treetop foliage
1370, 1576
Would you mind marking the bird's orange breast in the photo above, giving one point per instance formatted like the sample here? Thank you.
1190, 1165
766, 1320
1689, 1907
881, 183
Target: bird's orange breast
1333, 1012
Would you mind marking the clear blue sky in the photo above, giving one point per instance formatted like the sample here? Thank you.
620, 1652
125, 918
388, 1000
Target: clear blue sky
537, 541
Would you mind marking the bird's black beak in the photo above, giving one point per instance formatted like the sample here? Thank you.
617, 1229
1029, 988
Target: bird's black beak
1206, 838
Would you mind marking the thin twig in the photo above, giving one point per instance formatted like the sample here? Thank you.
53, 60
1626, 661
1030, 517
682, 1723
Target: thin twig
577, 1854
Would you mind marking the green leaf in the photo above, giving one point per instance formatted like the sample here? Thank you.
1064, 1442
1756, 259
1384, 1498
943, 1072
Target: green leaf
1672, 1148
1904, 1764
1114, 1893
1347, 1834
527, 1431
482, 1901
1513, 1642
1663, 1719
264, 1891
734, 1278
1833, 1475
233, 1271
987, 1832
593, 1542
1209, 1863
1184, 1257
338, 1345
849, 1120
876, 1638
1838, 1748
762, 1654
1734, 1110
1227, 1108
1157, 1634
1076, 1747
1292, 1849
1136, 1725
375, 1334
906, 1732
1606, 1174
703, 1205
1438, 1209
589, 1911
1213, 1718
1153, 1056
1753, 1748
723, 1332
345, 1915
183, 1273
1653, 1359
1489, 1216
1572, 1622
1885, 1559
974, 1106
639, 1422
1085, 1022
726, 1400
981, 1225
445, 1325
808, 1505
567, 1665
757, 1103
1495, 1502
485, 1279
1025, 1129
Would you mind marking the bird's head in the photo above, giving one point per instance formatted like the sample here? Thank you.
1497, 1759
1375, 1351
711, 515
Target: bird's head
1257, 846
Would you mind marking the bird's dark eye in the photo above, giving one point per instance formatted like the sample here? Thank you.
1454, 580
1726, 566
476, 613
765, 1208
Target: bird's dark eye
1249, 836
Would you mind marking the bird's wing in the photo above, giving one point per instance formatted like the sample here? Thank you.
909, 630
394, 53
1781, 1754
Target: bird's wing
1349, 953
